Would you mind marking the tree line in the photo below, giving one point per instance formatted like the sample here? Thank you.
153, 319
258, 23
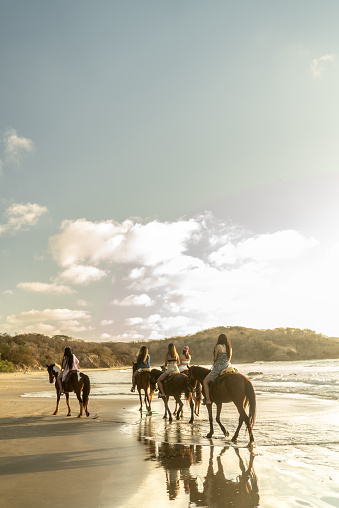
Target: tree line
33, 351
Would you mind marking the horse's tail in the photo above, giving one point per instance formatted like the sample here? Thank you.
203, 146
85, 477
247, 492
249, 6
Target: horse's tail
86, 389
250, 394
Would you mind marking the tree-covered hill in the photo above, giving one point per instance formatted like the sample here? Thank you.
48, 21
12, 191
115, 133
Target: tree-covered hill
33, 351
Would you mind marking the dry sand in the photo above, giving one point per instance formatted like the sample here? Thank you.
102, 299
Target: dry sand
54, 461
57, 461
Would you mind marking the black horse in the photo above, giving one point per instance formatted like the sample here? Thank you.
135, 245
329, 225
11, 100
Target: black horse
174, 387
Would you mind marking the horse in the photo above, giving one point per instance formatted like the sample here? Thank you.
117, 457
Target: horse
234, 387
197, 396
143, 380
175, 386
75, 382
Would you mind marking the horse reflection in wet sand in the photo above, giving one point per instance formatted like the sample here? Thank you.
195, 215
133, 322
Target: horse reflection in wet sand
143, 382
218, 491
77, 382
233, 387
174, 385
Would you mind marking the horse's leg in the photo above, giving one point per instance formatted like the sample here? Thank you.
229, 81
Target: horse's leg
210, 417
192, 409
80, 403
58, 402
140, 398
242, 418
68, 405
219, 406
180, 404
167, 409
176, 408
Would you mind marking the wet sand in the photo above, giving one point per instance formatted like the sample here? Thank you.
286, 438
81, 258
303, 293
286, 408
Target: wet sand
115, 459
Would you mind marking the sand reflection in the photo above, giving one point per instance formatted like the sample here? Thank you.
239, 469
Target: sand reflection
205, 476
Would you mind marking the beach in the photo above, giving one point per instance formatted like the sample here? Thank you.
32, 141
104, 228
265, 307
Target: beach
117, 458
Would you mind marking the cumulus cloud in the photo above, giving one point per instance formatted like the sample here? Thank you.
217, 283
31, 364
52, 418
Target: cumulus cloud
106, 322
143, 300
51, 321
80, 274
22, 217
194, 273
318, 64
83, 241
16, 146
42, 287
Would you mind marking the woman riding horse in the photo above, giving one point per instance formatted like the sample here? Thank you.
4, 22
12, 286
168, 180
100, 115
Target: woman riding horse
222, 355
69, 362
143, 364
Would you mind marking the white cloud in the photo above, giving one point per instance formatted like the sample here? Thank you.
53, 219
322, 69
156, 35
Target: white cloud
50, 321
7, 292
268, 247
106, 322
80, 274
83, 241
143, 300
16, 146
318, 64
22, 216
42, 287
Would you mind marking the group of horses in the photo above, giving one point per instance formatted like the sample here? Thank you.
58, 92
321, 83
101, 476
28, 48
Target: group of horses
233, 387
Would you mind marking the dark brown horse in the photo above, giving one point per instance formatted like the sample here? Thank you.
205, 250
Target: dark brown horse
77, 382
234, 388
174, 387
197, 397
143, 381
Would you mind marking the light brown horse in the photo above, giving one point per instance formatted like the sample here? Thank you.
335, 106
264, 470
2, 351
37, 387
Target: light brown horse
234, 388
175, 386
77, 382
143, 383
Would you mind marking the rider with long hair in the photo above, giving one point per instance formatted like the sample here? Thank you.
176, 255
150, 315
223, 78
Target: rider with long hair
143, 364
69, 362
171, 365
222, 355
185, 359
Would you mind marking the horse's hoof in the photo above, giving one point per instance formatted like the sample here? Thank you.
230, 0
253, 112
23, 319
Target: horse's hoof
209, 435
191, 421
69, 414
87, 414
55, 413
234, 440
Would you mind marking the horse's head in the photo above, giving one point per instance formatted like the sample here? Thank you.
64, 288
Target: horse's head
192, 382
53, 371
155, 373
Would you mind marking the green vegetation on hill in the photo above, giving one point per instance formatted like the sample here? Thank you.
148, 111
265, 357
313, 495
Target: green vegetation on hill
34, 351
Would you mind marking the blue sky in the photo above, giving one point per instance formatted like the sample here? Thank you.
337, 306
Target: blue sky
166, 167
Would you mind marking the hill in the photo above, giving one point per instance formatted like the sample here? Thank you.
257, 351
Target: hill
33, 351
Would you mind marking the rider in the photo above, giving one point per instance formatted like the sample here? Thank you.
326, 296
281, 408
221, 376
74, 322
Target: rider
222, 355
185, 359
69, 362
143, 364
171, 365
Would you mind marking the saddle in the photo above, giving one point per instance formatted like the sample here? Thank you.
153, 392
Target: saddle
169, 377
66, 383
223, 374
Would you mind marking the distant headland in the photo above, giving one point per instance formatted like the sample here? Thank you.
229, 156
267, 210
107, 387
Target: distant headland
32, 351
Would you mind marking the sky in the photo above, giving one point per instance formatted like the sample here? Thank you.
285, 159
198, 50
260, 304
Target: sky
167, 167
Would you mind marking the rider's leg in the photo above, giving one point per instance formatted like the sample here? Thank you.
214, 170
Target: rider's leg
206, 383
161, 388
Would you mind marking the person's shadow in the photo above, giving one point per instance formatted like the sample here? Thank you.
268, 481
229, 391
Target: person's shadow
218, 491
